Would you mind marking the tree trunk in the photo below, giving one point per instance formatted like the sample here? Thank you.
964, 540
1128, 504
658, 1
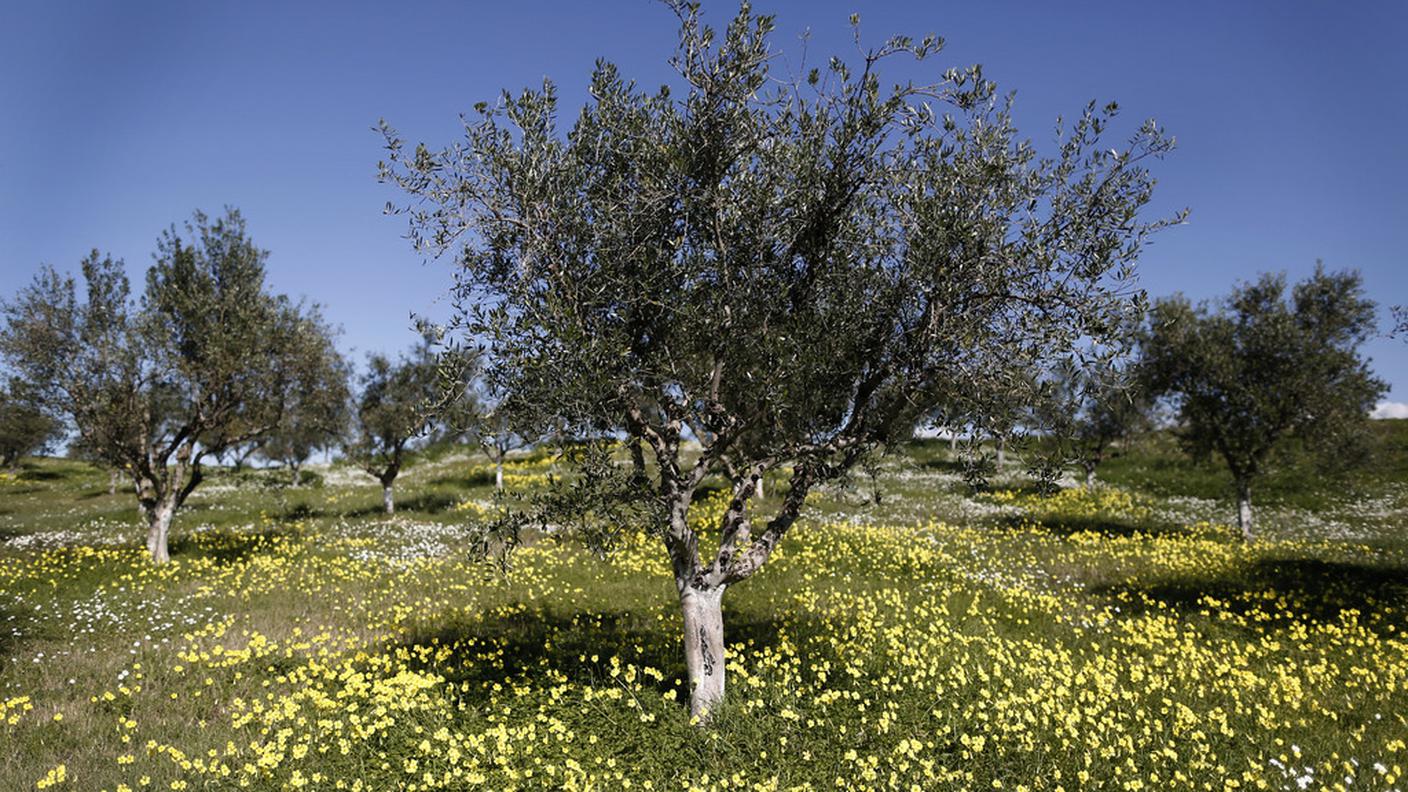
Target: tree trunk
1001, 452
704, 648
158, 529
294, 473
387, 501
1244, 510
499, 475
759, 488
112, 482
953, 443
1089, 476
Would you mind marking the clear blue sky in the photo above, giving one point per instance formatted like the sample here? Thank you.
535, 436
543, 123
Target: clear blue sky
119, 118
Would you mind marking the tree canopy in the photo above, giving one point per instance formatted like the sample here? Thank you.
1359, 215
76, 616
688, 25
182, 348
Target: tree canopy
787, 270
1260, 366
392, 409
202, 361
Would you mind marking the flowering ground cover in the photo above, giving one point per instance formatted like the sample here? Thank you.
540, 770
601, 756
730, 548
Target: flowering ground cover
1106, 638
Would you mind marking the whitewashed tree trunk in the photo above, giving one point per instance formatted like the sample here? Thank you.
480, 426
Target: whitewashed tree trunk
1001, 452
112, 482
499, 475
158, 531
1089, 476
759, 487
388, 500
1244, 511
704, 648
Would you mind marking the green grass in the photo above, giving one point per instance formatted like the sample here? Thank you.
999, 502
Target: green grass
937, 639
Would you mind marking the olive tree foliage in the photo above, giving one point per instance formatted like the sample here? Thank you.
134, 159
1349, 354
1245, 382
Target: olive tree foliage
390, 413
1091, 407
153, 385
470, 409
318, 400
789, 272
1247, 372
26, 428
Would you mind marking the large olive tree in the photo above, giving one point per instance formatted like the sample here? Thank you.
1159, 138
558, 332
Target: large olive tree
152, 386
788, 272
1256, 368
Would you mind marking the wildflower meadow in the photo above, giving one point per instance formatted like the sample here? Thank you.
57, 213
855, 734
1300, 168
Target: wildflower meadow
1101, 638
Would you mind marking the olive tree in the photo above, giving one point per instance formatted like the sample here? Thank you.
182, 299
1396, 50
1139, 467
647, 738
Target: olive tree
316, 412
25, 427
153, 385
390, 412
787, 272
1093, 406
1249, 371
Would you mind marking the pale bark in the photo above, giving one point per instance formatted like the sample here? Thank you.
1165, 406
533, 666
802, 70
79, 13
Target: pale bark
499, 475
758, 488
158, 530
1001, 452
112, 482
1089, 476
1244, 511
704, 648
388, 501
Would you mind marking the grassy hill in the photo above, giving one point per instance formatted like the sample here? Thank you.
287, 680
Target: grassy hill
1118, 638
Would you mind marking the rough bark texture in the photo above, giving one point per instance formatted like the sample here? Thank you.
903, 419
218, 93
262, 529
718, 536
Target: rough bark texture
704, 647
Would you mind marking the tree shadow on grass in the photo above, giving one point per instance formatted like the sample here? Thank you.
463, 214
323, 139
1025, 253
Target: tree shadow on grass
226, 547
547, 646
1284, 590
424, 503
1104, 526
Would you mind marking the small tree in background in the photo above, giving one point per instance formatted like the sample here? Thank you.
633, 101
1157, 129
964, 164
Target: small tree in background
25, 427
1094, 406
198, 364
792, 273
390, 412
1256, 368
317, 407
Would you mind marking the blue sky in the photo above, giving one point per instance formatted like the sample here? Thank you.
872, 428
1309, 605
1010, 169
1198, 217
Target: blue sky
119, 118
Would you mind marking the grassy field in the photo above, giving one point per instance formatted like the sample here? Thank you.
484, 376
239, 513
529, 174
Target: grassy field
1119, 638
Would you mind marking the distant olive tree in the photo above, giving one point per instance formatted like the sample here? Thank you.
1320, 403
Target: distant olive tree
790, 273
1256, 368
317, 400
152, 386
391, 411
26, 428
1094, 406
